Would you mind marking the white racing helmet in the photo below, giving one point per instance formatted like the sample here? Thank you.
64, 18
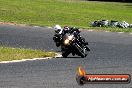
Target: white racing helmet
58, 29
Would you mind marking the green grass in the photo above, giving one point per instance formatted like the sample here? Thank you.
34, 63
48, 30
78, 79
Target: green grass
9, 54
63, 12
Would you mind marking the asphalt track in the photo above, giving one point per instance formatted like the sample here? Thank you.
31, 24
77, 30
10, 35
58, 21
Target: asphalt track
110, 53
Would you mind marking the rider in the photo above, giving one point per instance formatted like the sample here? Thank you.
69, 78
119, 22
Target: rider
58, 35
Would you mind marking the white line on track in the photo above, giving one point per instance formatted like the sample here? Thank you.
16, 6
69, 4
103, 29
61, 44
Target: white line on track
120, 32
90, 30
23, 60
130, 33
49, 27
107, 31
36, 26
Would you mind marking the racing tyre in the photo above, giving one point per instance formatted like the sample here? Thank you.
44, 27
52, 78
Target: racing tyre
81, 51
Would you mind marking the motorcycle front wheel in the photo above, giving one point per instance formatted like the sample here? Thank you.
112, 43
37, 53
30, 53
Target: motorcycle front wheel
65, 54
81, 52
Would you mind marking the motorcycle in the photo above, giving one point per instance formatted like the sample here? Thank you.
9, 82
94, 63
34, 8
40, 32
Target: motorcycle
71, 44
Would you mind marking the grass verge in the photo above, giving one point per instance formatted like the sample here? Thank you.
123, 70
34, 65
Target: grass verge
9, 54
64, 12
